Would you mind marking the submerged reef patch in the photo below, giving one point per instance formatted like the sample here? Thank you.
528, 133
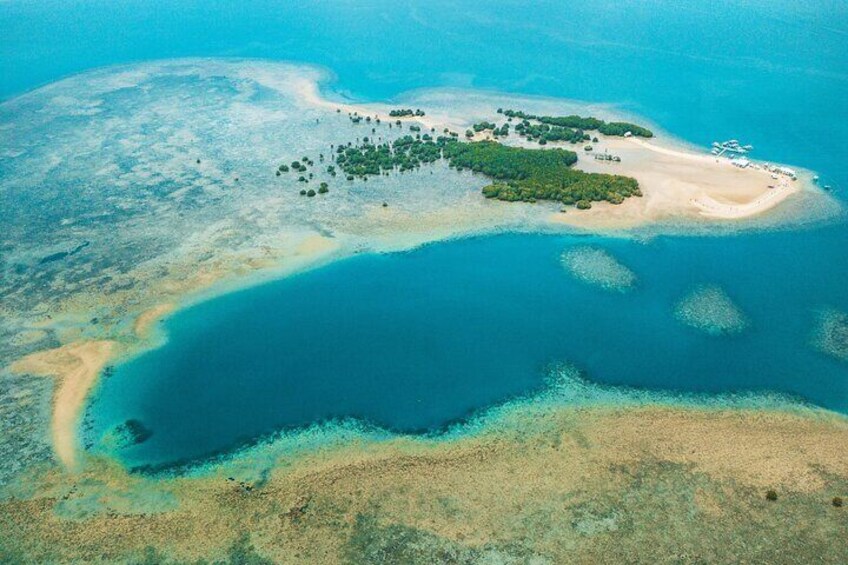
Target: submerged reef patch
831, 334
597, 267
588, 484
709, 309
126, 434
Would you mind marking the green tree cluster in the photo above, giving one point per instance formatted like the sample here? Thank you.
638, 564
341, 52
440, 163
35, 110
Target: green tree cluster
405, 112
544, 133
580, 123
520, 174
529, 175
404, 154
482, 126
621, 128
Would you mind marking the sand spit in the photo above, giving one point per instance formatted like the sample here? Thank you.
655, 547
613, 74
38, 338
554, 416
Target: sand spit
679, 185
309, 93
145, 321
571, 485
75, 367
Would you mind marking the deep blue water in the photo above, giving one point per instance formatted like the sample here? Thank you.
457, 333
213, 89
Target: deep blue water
414, 341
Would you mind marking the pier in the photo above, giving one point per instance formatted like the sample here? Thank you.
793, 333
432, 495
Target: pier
730, 146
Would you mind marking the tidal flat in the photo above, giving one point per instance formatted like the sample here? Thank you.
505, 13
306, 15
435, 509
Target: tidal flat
580, 484
132, 192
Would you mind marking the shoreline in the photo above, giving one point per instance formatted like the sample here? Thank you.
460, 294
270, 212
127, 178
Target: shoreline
681, 185
77, 366
710, 207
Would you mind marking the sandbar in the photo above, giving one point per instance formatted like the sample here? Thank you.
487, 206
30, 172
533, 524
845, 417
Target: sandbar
75, 367
679, 184
145, 321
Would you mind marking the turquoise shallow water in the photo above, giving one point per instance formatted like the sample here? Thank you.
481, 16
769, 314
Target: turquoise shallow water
470, 323
414, 341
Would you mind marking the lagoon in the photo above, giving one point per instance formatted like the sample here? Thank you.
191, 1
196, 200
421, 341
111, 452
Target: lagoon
412, 342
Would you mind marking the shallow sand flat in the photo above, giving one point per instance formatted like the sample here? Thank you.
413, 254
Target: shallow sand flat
76, 367
579, 484
309, 94
677, 184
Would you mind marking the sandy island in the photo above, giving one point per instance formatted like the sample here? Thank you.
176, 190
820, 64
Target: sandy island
676, 183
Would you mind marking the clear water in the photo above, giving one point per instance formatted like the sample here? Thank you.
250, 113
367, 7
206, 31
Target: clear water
495, 311
414, 341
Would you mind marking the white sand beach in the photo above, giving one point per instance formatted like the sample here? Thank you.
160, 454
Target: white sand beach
679, 184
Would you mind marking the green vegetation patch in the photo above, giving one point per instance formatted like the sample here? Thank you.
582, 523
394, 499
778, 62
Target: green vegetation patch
560, 124
521, 174
404, 154
405, 112
529, 175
